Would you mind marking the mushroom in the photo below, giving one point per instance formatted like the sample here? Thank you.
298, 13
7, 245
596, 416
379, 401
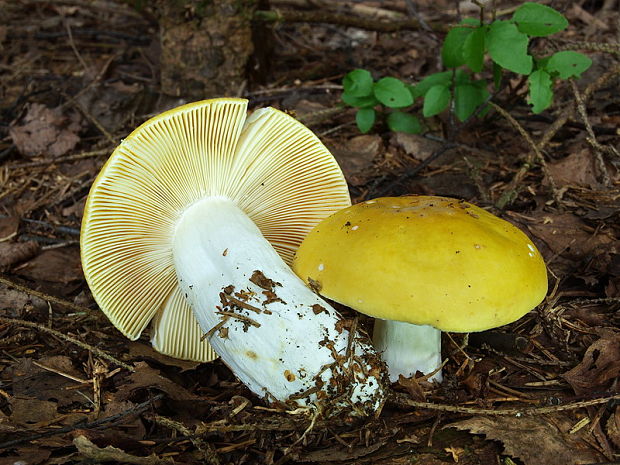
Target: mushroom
189, 226
421, 265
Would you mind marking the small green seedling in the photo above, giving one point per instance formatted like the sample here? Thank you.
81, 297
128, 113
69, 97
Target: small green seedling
464, 53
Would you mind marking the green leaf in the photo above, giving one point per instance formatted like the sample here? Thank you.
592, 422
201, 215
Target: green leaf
436, 100
425, 84
452, 50
508, 47
462, 77
568, 64
365, 119
473, 49
541, 93
467, 98
404, 122
359, 102
497, 75
358, 83
538, 20
392, 92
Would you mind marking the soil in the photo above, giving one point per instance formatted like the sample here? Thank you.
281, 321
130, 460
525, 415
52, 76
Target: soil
77, 76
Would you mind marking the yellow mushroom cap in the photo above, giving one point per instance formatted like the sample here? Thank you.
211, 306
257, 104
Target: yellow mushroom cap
425, 260
273, 167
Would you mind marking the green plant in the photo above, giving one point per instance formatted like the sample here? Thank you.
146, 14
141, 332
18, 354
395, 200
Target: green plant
464, 54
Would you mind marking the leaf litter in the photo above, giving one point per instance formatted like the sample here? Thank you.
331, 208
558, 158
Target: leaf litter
63, 403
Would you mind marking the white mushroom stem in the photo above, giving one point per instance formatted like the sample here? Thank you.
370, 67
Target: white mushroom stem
280, 339
407, 348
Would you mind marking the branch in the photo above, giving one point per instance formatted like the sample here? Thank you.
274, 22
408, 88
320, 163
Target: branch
326, 17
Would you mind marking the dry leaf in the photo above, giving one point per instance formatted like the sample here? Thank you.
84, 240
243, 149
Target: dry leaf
147, 377
54, 265
141, 350
600, 364
356, 155
16, 252
28, 411
535, 440
44, 131
576, 169
8, 227
28, 455
613, 427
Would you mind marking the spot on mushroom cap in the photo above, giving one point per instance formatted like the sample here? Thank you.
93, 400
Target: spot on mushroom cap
273, 167
425, 260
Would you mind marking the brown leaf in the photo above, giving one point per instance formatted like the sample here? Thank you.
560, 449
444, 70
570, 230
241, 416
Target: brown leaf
112, 454
613, 427
28, 411
147, 377
565, 233
35, 382
142, 350
44, 131
600, 364
534, 439
357, 155
25, 455
8, 227
54, 265
16, 252
576, 169
338, 453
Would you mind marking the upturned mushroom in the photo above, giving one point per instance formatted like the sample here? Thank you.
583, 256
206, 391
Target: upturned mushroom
190, 225
421, 265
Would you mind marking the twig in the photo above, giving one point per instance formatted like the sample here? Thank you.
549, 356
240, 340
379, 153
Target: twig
81, 425
241, 303
326, 17
46, 297
90, 117
598, 148
54, 161
62, 336
210, 455
610, 47
239, 317
402, 400
516, 180
569, 111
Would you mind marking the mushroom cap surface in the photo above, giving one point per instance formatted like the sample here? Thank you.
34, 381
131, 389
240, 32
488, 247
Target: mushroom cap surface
273, 167
424, 260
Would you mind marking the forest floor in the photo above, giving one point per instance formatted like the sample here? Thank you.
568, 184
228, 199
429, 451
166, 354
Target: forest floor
76, 77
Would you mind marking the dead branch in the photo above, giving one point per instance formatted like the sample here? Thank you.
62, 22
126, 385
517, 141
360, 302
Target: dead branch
65, 337
81, 425
327, 17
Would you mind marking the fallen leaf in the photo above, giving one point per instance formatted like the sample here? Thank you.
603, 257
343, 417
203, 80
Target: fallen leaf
27, 411
613, 427
8, 227
25, 456
600, 364
44, 131
13, 302
576, 169
418, 147
32, 381
565, 233
12, 253
54, 265
140, 349
338, 453
535, 439
112, 454
147, 377
356, 155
